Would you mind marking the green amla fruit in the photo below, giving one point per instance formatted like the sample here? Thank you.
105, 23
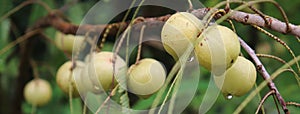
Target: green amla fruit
146, 77
179, 31
38, 92
67, 42
64, 74
218, 49
103, 72
238, 79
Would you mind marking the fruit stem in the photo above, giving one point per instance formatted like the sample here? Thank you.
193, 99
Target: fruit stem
34, 68
263, 100
112, 93
71, 90
262, 70
140, 45
33, 109
191, 7
19, 40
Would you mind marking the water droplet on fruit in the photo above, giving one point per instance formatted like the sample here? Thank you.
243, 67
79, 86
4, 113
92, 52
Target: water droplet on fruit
191, 59
229, 97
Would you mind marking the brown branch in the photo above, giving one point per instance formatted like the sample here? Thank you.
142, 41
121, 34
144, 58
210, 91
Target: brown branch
19, 40
254, 19
53, 19
262, 70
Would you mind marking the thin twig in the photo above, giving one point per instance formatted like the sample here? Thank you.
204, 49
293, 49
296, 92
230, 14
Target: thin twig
261, 69
140, 45
17, 8
214, 14
272, 57
279, 41
34, 68
227, 7
19, 40
276, 104
112, 93
260, 14
263, 100
84, 109
33, 109
23, 4
191, 7
232, 25
293, 104
105, 35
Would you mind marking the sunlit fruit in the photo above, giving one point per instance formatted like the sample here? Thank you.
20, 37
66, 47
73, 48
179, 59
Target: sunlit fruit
103, 71
67, 42
65, 74
179, 31
218, 49
238, 79
146, 77
38, 92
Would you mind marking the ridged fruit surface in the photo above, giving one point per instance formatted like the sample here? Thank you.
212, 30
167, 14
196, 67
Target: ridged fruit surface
238, 79
63, 75
218, 49
146, 77
104, 72
179, 31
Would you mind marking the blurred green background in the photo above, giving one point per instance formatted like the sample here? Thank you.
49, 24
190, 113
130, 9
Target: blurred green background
49, 58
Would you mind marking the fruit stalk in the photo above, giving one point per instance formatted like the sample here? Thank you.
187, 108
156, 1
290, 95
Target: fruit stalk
262, 70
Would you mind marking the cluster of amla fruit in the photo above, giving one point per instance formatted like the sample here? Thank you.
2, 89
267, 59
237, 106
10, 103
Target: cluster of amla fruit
98, 70
102, 71
217, 49
38, 92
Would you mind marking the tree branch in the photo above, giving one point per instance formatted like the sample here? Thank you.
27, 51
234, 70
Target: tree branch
262, 101
53, 19
254, 19
261, 69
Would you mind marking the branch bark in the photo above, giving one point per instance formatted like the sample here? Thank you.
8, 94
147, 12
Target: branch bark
262, 70
53, 19
56, 21
254, 19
